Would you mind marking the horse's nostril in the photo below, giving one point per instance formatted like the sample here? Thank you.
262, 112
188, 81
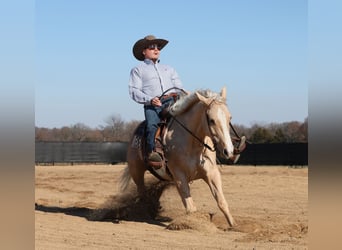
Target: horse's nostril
225, 152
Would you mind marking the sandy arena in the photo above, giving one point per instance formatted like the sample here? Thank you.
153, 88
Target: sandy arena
80, 207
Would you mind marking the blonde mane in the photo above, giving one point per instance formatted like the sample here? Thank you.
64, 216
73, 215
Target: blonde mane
187, 101
183, 104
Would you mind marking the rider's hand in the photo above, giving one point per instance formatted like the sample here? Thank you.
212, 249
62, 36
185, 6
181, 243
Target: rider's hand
156, 102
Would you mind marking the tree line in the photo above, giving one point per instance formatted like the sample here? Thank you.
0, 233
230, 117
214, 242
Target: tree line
117, 130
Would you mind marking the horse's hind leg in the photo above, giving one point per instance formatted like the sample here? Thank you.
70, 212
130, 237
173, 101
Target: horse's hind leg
214, 181
137, 173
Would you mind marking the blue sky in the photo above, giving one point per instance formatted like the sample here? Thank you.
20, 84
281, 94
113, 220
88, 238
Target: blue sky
257, 49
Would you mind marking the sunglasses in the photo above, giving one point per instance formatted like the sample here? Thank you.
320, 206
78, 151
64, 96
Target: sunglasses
153, 46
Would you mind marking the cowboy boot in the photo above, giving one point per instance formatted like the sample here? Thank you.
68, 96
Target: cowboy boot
155, 157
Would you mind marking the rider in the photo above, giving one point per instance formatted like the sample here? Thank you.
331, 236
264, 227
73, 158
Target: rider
148, 82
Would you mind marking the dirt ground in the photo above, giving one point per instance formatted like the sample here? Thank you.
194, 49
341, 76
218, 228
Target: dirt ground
80, 207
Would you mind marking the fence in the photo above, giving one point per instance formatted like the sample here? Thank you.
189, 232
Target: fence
293, 154
80, 152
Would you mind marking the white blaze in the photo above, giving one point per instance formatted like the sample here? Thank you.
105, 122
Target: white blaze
221, 115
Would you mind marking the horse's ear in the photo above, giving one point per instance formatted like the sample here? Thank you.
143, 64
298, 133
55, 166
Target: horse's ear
203, 99
224, 93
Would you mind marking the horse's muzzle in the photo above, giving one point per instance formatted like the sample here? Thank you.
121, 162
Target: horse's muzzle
226, 154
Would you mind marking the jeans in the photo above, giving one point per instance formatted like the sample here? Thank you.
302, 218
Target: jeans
152, 117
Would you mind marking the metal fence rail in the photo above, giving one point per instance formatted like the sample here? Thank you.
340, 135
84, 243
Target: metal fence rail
293, 154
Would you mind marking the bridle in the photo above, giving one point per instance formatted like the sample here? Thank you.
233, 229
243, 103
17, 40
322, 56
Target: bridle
191, 133
195, 136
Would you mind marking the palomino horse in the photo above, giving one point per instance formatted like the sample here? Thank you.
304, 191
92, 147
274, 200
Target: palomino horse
199, 126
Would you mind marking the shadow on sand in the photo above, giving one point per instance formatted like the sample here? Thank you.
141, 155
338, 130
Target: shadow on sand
127, 206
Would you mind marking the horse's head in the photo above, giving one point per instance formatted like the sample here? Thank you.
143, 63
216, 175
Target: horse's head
218, 117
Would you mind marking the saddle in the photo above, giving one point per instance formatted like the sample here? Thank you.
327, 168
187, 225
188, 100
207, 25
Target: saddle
158, 169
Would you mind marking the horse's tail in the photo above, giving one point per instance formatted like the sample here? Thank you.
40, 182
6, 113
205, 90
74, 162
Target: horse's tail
124, 179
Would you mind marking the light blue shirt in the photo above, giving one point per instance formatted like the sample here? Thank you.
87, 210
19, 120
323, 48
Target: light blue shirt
148, 80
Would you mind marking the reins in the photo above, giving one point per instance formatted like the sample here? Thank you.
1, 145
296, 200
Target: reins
189, 131
195, 136
237, 135
183, 126
171, 89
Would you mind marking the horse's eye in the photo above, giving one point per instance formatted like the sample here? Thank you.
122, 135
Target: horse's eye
212, 122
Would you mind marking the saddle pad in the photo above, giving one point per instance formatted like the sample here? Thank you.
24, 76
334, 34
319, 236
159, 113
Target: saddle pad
138, 135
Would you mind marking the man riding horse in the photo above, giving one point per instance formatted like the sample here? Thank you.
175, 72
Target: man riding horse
148, 85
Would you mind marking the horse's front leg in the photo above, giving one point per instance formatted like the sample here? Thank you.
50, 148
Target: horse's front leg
184, 192
214, 181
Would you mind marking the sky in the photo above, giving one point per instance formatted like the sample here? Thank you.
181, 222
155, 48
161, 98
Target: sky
83, 56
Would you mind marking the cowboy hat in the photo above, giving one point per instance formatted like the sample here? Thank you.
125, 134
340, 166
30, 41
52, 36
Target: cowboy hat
141, 44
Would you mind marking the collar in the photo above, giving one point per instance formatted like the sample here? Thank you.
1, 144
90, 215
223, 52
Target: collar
149, 61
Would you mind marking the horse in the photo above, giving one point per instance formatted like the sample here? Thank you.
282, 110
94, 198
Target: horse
197, 131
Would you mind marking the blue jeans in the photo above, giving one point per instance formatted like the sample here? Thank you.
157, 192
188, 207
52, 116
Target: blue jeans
152, 117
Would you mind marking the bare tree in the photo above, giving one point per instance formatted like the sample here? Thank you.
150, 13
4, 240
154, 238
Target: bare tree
129, 129
115, 125
65, 133
79, 132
